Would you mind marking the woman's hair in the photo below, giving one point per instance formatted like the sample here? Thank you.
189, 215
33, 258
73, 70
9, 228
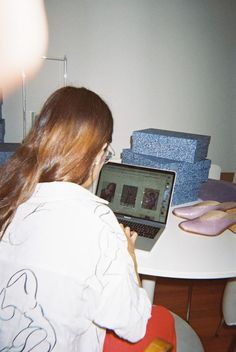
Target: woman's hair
69, 132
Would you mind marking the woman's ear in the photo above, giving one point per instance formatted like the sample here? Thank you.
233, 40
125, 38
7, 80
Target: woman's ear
104, 147
96, 167
99, 156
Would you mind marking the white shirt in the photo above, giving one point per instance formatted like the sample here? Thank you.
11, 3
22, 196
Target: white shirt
66, 275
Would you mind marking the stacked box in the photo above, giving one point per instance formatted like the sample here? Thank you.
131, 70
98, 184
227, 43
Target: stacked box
2, 121
2, 130
185, 172
184, 153
171, 145
6, 151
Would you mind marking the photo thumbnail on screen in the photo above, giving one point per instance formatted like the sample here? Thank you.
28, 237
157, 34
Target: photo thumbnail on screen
150, 199
108, 191
128, 196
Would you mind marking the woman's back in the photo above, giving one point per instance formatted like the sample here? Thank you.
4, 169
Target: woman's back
66, 273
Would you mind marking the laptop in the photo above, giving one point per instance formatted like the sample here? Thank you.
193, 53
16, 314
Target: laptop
140, 197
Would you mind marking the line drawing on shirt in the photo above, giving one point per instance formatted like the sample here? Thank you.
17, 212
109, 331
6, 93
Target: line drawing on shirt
102, 211
20, 310
103, 265
96, 283
108, 253
39, 207
16, 239
105, 214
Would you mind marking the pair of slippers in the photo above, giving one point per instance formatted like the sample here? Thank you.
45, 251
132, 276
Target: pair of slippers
209, 218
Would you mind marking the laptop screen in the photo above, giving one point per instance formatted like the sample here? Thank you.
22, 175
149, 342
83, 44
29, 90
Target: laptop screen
136, 191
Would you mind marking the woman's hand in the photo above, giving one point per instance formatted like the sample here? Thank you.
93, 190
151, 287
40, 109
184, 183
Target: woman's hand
131, 238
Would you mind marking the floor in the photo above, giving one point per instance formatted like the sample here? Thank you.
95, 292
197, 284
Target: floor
205, 311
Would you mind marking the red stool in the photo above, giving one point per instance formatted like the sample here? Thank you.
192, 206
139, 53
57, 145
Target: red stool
161, 325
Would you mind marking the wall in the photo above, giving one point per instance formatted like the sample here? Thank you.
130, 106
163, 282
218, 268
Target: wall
158, 63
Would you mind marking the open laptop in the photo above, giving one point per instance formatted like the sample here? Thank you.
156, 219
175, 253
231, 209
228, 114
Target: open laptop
140, 197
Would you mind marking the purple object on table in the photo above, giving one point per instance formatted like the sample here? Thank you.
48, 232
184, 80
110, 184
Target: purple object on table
221, 191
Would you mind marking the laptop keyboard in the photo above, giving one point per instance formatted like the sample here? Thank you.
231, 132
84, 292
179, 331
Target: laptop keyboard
142, 229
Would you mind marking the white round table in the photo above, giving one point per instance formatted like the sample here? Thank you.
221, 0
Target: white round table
179, 254
183, 255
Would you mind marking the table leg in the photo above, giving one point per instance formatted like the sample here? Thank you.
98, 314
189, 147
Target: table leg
149, 286
190, 292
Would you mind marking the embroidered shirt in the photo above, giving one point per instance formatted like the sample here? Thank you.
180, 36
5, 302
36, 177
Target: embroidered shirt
66, 275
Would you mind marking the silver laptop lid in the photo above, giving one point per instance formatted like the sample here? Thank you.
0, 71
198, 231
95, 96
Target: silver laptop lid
137, 192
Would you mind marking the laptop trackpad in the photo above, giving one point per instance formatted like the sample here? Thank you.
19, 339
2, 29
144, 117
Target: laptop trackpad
146, 244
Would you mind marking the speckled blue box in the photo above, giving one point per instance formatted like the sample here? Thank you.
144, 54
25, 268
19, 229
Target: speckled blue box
6, 151
189, 176
185, 172
2, 130
172, 145
185, 193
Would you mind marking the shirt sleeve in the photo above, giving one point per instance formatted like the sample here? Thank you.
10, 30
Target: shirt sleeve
122, 306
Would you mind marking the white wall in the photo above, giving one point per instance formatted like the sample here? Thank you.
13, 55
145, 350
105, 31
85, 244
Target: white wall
158, 63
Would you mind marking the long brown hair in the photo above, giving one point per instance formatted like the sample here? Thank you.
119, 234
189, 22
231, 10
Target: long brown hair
69, 132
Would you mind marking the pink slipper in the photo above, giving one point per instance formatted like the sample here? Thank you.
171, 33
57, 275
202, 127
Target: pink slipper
196, 210
211, 224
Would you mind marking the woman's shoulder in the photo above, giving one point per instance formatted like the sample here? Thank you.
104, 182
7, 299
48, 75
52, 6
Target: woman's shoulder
67, 200
61, 195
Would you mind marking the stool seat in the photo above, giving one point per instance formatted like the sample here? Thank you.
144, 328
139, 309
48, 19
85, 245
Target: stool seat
187, 339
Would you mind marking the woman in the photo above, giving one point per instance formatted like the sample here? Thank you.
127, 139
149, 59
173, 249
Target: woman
65, 272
